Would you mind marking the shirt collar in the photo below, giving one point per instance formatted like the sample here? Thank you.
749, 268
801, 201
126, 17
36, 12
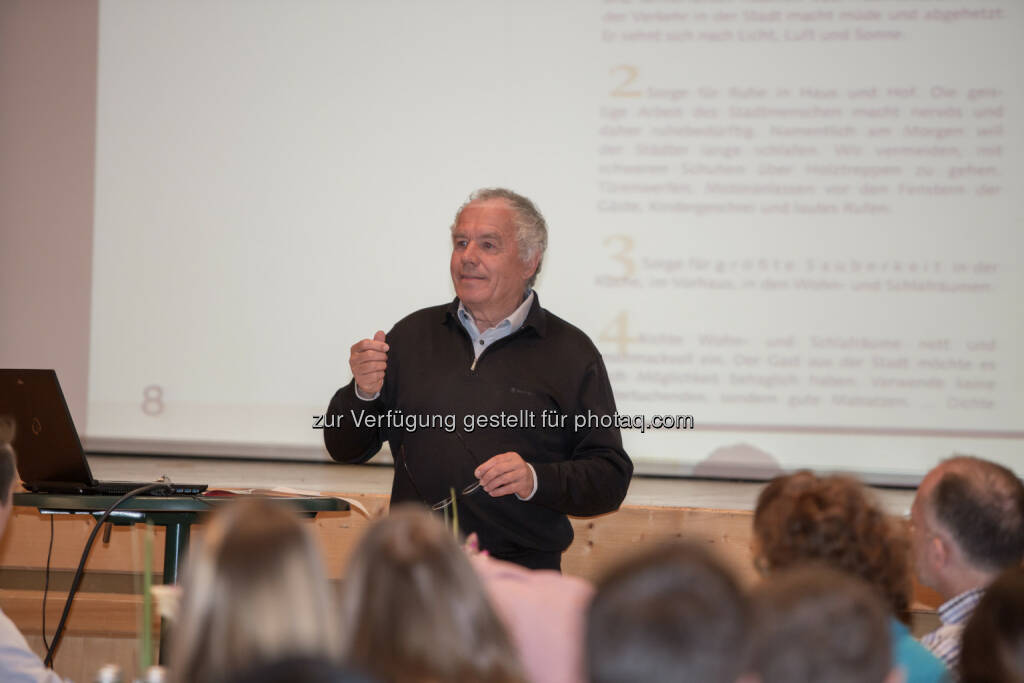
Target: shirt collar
514, 320
536, 317
957, 610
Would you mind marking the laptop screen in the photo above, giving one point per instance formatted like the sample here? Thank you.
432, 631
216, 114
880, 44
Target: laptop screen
45, 439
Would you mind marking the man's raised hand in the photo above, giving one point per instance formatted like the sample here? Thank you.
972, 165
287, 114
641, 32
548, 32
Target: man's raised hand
368, 360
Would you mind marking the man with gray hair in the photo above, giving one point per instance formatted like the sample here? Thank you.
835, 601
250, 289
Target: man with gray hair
515, 457
968, 526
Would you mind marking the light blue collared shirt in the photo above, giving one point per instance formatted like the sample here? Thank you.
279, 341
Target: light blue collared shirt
481, 340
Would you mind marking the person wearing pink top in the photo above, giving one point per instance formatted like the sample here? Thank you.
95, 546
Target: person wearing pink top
543, 610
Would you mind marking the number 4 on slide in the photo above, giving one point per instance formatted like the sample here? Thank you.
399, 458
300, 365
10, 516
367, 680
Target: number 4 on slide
618, 331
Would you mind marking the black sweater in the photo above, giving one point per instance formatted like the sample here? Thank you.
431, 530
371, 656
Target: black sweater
547, 366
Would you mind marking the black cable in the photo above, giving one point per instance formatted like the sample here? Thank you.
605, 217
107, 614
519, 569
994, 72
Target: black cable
46, 583
81, 564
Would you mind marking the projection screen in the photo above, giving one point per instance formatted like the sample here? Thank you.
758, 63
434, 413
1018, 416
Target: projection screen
792, 221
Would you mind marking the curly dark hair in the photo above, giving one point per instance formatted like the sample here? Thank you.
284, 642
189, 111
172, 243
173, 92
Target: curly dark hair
833, 520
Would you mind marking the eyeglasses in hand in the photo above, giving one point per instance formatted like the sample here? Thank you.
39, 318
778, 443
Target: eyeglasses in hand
446, 502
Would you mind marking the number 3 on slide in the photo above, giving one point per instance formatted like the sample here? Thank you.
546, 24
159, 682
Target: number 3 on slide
623, 255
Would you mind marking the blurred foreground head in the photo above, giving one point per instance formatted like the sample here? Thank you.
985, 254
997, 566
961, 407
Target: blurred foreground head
993, 640
672, 614
414, 610
255, 591
815, 624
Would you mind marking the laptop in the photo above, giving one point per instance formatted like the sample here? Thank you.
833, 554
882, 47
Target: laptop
50, 455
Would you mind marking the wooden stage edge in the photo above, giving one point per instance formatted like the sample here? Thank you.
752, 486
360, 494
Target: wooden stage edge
106, 617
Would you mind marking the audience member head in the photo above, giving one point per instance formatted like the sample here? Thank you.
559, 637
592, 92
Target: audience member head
255, 591
297, 670
803, 518
992, 649
672, 614
815, 624
8, 471
414, 610
968, 521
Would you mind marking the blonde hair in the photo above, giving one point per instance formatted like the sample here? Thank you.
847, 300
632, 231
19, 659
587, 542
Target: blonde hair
255, 591
414, 610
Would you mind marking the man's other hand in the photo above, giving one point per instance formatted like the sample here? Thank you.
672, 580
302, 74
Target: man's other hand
506, 473
368, 360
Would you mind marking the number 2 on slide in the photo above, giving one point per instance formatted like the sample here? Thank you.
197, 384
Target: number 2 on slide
623, 89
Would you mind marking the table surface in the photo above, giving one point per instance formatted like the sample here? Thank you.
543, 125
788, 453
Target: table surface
80, 503
376, 479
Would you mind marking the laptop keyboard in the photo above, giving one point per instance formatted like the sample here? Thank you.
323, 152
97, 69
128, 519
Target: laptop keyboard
119, 488
114, 488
